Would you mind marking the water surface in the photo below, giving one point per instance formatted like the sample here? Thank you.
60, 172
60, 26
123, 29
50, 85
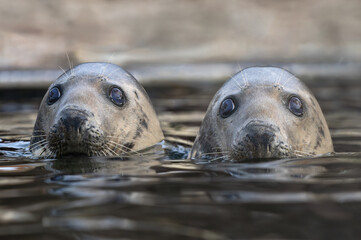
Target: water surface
159, 195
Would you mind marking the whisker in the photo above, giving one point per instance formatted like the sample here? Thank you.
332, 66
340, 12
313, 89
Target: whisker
48, 153
70, 65
39, 131
240, 67
110, 150
53, 154
300, 151
279, 78
285, 83
108, 75
110, 57
245, 79
103, 70
104, 154
214, 153
38, 143
122, 146
218, 158
237, 83
220, 151
34, 136
45, 149
302, 154
117, 137
64, 71
220, 148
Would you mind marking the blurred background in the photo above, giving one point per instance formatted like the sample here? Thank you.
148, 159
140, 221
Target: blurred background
41, 33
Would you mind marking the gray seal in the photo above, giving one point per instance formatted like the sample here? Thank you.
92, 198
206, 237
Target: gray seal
262, 113
95, 109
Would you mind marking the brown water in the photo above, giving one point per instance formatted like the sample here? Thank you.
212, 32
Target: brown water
156, 196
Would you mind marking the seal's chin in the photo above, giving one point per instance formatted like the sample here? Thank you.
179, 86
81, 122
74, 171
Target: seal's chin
259, 141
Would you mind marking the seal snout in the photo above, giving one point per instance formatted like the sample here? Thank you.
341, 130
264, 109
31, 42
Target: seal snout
74, 122
260, 136
75, 132
259, 139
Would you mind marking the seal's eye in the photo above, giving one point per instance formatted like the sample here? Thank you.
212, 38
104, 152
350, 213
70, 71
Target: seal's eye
54, 95
295, 106
227, 108
117, 96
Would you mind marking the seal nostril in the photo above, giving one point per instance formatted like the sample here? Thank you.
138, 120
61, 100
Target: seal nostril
259, 136
73, 122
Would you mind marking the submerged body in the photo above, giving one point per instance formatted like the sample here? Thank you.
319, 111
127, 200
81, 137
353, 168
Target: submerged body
262, 112
95, 109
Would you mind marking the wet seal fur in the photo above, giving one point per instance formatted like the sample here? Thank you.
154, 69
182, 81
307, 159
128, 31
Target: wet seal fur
262, 125
85, 120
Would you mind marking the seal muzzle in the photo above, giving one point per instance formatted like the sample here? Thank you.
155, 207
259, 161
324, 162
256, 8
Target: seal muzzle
75, 132
259, 139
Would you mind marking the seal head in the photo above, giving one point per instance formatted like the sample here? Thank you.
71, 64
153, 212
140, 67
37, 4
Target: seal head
262, 112
95, 109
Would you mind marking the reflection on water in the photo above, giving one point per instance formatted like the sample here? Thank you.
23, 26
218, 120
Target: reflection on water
152, 199
159, 195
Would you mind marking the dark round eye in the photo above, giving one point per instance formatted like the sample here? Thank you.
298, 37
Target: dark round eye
117, 96
295, 106
227, 108
54, 95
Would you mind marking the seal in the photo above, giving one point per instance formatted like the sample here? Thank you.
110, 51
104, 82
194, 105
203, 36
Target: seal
95, 109
262, 113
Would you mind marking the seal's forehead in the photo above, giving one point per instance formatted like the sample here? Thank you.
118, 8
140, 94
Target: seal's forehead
108, 71
266, 76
